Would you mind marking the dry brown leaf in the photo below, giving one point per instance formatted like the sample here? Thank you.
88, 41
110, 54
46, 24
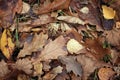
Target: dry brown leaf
71, 64
113, 36
23, 65
36, 45
89, 65
25, 8
3, 69
55, 5
54, 49
8, 9
105, 73
95, 46
53, 73
71, 19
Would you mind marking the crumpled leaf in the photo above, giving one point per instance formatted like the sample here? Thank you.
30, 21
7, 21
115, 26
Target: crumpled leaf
71, 19
73, 46
53, 73
37, 43
113, 36
6, 44
105, 73
23, 65
3, 69
54, 49
25, 8
108, 12
71, 64
55, 5
89, 65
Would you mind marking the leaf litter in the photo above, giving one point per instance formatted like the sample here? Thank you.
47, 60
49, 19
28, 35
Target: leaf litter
59, 40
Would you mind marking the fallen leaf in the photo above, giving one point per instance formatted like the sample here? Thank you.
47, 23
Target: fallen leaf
55, 5
23, 77
37, 69
54, 49
71, 19
36, 45
89, 65
53, 73
113, 36
108, 12
73, 46
23, 65
8, 9
71, 65
105, 73
6, 44
25, 8
95, 47
3, 69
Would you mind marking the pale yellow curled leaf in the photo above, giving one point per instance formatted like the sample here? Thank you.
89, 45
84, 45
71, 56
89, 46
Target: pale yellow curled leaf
36, 45
71, 19
25, 8
84, 10
108, 12
24, 65
37, 69
54, 49
3, 68
73, 46
6, 44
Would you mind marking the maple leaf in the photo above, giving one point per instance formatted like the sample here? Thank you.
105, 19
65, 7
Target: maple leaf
53, 49
23, 65
89, 65
3, 68
37, 43
71, 64
113, 36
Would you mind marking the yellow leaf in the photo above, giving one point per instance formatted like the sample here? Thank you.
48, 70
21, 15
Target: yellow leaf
73, 46
108, 12
6, 44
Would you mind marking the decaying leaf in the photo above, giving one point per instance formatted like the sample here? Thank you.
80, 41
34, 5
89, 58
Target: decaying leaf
53, 73
71, 65
113, 36
3, 69
6, 44
36, 45
105, 73
54, 49
71, 19
108, 12
73, 46
23, 65
89, 65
